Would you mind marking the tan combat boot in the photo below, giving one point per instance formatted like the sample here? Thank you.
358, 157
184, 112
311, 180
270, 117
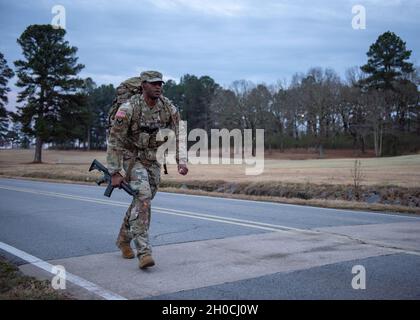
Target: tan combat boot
126, 251
146, 261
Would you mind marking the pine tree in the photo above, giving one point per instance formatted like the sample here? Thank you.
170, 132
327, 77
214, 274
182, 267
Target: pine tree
5, 74
51, 89
387, 62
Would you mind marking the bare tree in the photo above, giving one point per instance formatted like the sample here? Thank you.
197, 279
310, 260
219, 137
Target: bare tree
358, 176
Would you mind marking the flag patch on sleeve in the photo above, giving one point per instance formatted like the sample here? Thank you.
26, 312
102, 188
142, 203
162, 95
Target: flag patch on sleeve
120, 114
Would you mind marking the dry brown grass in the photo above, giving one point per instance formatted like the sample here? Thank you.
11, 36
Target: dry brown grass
324, 183
14, 285
60, 165
401, 171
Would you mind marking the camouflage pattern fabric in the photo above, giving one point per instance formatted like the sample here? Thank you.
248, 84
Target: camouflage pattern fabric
132, 146
151, 76
137, 218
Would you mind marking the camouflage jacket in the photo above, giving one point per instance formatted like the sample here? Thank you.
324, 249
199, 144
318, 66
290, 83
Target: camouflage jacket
134, 129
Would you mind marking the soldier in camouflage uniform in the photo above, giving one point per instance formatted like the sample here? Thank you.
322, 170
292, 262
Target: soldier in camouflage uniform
132, 146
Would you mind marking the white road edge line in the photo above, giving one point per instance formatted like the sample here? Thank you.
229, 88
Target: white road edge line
256, 223
85, 284
221, 220
392, 214
194, 215
200, 216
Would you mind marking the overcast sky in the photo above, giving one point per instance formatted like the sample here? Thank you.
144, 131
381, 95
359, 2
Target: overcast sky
262, 41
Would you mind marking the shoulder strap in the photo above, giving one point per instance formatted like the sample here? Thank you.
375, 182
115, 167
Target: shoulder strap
166, 105
136, 110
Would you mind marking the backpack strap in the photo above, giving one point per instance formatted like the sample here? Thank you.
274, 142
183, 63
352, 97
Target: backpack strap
135, 117
166, 105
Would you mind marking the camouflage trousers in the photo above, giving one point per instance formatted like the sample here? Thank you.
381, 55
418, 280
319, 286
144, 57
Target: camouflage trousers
145, 179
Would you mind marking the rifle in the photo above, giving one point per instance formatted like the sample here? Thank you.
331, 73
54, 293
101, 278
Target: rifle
96, 165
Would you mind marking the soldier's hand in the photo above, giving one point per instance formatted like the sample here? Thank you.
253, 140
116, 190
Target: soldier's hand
182, 169
116, 180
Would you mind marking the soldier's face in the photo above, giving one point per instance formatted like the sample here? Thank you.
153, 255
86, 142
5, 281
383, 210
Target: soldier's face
152, 89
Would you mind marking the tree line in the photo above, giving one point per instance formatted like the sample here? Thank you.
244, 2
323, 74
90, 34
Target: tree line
375, 107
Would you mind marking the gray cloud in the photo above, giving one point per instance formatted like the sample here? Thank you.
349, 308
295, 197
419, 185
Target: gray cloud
262, 41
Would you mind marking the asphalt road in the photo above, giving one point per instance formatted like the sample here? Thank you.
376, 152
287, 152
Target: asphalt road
209, 248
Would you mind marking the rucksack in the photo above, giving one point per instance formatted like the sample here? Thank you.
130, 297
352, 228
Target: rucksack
125, 91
